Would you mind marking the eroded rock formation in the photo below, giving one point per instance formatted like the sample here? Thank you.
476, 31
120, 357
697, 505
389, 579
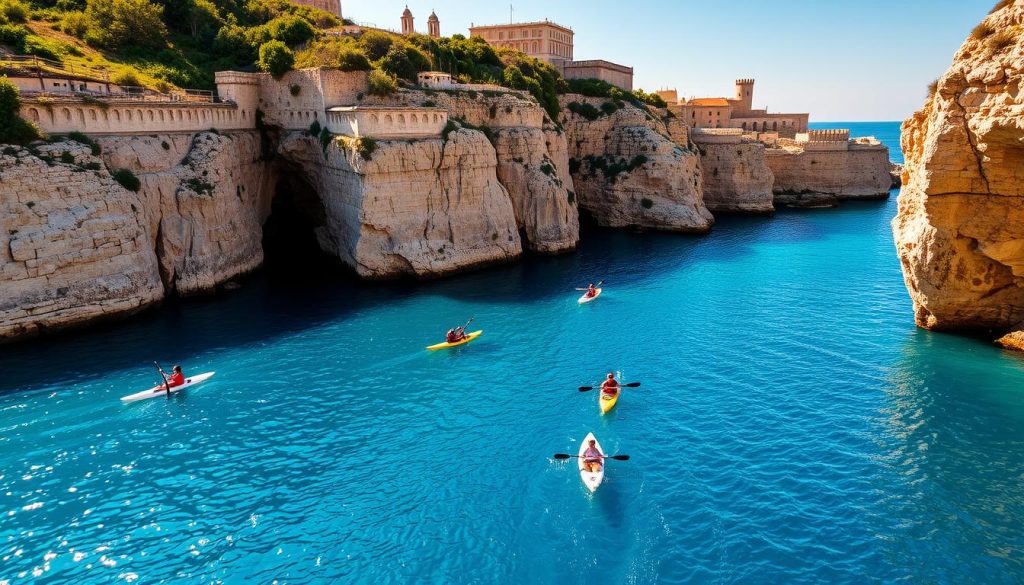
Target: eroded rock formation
74, 244
409, 208
628, 172
959, 231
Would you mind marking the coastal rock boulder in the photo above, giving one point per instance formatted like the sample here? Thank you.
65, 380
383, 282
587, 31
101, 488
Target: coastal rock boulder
419, 208
811, 177
736, 178
959, 231
74, 244
628, 172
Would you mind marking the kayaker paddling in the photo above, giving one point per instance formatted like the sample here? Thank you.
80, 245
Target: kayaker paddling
593, 459
456, 334
592, 292
610, 386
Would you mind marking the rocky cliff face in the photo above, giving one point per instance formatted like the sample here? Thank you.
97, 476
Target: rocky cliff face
532, 159
409, 208
959, 231
736, 178
74, 244
205, 199
628, 172
824, 177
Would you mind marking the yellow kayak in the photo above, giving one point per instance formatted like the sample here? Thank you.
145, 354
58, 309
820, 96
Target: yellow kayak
469, 337
608, 402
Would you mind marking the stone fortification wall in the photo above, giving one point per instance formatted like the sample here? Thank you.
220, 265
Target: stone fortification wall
301, 97
716, 135
737, 178
63, 115
811, 177
504, 110
383, 122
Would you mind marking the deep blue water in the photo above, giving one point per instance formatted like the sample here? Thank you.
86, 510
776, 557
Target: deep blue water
793, 427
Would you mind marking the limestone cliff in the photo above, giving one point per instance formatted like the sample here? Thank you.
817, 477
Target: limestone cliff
205, 198
736, 178
532, 159
959, 231
408, 208
74, 244
810, 177
628, 172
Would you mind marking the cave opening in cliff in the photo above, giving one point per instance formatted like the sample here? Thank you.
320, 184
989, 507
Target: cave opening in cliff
289, 234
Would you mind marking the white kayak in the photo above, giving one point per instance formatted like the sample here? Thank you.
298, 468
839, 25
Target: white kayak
586, 299
591, 479
157, 391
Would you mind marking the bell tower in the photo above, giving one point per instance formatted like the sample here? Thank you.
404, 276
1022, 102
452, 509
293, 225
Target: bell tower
433, 25
407, 26
744, 95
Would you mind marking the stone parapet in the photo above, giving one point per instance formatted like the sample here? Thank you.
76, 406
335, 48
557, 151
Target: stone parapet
63, 115
387, 122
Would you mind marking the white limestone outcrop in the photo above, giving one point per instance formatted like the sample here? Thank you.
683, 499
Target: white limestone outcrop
419, 208
628, 172
736, 178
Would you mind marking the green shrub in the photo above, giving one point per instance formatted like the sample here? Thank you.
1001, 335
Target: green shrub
165, 145
295, 89
572, 197
14, 11
80, 138
291, 30
376, 44
74, 23
366, 146
325, 139
13, 129
92, 166
45, 48
646, 203
14, 35
198, 185
233, 45
314, 129
126, 77
547, 168
352, 60
381, 83
67, 158
651, 99
276, 58
585, 110
127, 179
120, 23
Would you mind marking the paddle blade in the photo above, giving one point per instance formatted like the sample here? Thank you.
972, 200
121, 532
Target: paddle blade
632, 385
620, 457
586, 388
561, 455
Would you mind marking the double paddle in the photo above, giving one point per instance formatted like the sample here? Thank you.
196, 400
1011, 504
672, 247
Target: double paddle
599, 283
630, 385
616, 457
167, 384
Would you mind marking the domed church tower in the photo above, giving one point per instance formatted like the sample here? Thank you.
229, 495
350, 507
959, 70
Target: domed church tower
433, 25
407, 27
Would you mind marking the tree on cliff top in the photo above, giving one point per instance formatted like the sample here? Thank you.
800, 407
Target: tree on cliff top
119, 23
13, 129
276, 58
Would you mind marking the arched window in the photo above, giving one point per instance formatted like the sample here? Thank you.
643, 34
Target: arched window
744, 125
92, 115
401, 119
775, 125
33, 114
151, 116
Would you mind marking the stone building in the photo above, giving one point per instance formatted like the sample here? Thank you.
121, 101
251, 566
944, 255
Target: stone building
407, 22
545, 40
551, 42
332, 6
737, 112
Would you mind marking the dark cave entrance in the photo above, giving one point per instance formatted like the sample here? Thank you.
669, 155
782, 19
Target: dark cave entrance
290, 244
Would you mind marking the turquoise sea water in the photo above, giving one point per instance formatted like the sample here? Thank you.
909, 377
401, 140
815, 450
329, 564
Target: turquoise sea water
793, 426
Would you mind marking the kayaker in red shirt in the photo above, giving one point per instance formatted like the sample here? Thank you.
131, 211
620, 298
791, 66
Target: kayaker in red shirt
177, 378
610, 387
591, 291
457, 334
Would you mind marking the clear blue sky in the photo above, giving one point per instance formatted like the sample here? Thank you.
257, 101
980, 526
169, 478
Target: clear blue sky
840, 60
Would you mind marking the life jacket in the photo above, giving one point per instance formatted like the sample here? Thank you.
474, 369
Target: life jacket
452, 337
